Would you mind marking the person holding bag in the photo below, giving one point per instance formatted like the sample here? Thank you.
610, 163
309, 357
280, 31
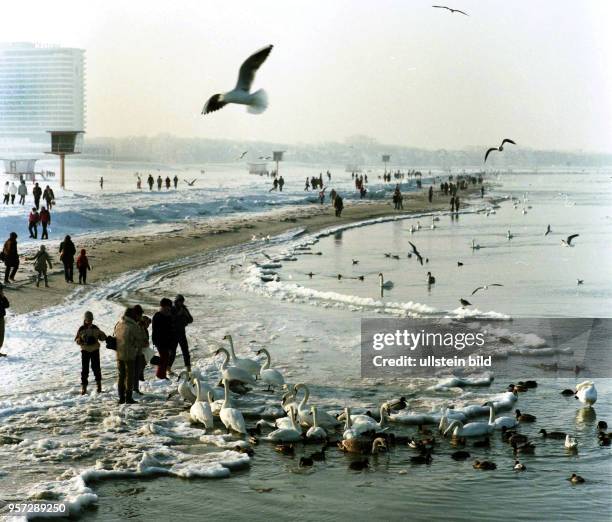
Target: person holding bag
88, 337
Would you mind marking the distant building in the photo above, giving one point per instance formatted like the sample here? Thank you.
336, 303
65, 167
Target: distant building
41, 88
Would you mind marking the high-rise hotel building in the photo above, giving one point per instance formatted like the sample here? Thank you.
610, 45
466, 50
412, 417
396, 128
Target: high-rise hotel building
41, 88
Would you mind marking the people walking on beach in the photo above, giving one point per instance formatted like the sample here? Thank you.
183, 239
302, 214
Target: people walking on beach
274, 185
398, 199
163, 336
168, 182
7, 193
37, 193
140, 362
307, 186
41, 260
322, 195
83, 266
49, 197
338, 205
150, 181
138, 183
45, 221
67, 252
88, 337
23, 192
13, 191
182, 317
129, 341
332, 196
482, 191
362, 192
101, 182
159, 182
175, 181
10, 256
33, 220
328, 175
4, 304
452, 203
457, 204
430, 194
281, 182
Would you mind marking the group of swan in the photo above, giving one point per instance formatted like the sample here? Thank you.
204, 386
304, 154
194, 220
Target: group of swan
478, 429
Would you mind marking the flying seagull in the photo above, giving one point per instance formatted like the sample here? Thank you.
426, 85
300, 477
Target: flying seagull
450, 9
243, 154
465, 302
568, 241
500, 148
486, 287
257, 102
190, 183
548, 230
416, 252
579, 281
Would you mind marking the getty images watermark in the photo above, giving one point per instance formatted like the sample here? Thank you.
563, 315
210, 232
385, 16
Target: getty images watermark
537, 347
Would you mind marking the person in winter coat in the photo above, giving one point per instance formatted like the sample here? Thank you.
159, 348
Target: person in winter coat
4, 304
10, 256
150, 181
45, 221
88, 337
49, 197
13, 191
130, 339
37, 193
182, 318
140, 362
164, 336
338, 205
82, 264
23, 192
168, 182
159, 182
175, 180
67, 252
7, 193
41, 260
33, 221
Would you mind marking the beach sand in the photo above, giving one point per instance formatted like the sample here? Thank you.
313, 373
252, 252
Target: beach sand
112, 256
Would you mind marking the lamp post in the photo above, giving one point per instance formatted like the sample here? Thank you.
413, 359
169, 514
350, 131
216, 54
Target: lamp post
277, 156
385, 159
64, 143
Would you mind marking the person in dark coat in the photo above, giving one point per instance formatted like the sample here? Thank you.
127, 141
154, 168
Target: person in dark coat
175, 181
150, 181
456, 203
33, 220
45, 221
67, 253
182, 318
83, 266
164, 336
88, 337
430, 195
4, 304
10, 256
37, 193
338, 205
49, 197
452, 203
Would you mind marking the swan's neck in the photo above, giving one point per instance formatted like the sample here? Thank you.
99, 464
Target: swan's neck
198, 392
225, 361
231, 343
347, 422
226, 401
314, 418
383, 416
491, 415
268, 360
306, 396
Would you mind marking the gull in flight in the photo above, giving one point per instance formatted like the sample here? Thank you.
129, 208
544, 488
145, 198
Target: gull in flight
548, 230
190, 183
416, 252
500, 148
568, 242
257, 102
243, 154
450, 9
486, 287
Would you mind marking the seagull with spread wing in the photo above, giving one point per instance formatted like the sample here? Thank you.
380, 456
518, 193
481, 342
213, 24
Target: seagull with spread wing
450, 9
191, 183
568, 242
257, 101
243, 154
486, 287
500, 148
416, 253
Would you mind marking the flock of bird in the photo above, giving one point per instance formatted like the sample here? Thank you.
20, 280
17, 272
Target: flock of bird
364, 434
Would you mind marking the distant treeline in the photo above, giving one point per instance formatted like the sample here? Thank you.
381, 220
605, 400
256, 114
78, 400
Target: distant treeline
356, 150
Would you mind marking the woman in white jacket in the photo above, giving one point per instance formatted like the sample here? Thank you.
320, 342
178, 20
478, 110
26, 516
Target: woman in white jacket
13, 191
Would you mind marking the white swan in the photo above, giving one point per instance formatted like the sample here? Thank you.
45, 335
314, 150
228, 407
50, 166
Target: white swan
571, 443
386, 285
251, 366
231, 418
324, 419
273, 378
501, 422
233, 373
315, 432
586, 393
216, 405
358, 425
185, 389
288, 400
293, 433
200, 411
472, 429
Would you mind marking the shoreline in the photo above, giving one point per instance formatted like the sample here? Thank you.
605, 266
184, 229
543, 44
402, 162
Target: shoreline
121, 253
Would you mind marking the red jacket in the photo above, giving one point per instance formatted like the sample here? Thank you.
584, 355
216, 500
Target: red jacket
34, 217
45, 216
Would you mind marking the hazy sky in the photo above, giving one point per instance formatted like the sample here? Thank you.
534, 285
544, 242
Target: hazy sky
399, 71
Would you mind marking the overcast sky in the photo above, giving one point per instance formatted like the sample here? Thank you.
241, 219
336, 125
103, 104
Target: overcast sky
397, 70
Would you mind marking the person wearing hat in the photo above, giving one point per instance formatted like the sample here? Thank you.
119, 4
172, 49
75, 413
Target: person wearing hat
10, 256
182, 317
163, 335
4, 304
88, 337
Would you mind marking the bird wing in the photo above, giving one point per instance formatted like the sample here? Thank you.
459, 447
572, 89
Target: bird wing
496, 284
547, 230
569, 238
420, 258
507, 140
441, 7
458, 11
249, 68
214, 103
479, 288
414, 249
489, 152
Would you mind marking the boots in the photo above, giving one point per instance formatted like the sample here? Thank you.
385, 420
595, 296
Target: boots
129, 399
99, 386
83, 389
